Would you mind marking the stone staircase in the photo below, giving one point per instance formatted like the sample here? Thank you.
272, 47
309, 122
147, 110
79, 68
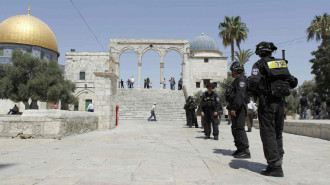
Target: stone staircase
135, 104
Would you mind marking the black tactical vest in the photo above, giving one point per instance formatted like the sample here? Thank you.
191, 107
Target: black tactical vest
278, 77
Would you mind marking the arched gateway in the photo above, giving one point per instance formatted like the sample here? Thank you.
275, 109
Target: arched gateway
141, 46
96, 76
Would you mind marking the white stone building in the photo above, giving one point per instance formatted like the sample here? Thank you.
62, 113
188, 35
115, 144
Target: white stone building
202, 62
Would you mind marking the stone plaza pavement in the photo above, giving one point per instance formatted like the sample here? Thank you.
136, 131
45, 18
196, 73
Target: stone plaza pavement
141, 152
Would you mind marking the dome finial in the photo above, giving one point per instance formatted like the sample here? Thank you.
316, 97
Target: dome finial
203, 33
29, 9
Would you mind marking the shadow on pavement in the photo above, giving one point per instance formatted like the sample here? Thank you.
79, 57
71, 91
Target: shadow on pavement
249, 165
200, 137
223, 151
5, 166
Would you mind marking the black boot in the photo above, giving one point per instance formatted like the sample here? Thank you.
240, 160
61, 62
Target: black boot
243, 155
273, 171
207, 137
235, 153
216, 138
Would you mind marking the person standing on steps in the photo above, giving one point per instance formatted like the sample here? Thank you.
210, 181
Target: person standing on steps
237, 99
317, 106
210, 106
153, 112
145, 83
271, 82
148, 82
164, 84
128, 83
122, 83
132, 82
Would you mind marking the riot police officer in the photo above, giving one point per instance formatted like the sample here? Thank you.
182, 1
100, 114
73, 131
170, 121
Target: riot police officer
237, 107
211, 106
317, 106
303, 102
190, 108
271, 82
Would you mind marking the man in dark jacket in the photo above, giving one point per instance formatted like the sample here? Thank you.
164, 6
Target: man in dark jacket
237, 98
14, 110
211, 106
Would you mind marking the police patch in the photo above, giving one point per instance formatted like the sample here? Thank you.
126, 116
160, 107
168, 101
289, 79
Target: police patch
242, 84
255, 71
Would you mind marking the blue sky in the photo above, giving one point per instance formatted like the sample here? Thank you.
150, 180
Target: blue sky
277, 21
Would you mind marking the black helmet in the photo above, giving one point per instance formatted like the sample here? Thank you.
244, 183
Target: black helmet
236, 66
304, 94
210, 85
190, 97
265, 46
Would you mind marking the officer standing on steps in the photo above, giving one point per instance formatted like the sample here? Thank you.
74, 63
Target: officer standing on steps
271, 82
238, 99
211, 106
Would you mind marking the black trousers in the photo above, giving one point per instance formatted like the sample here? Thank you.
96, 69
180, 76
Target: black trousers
271, 122
190, 118
195, 119
238, 130
210, 119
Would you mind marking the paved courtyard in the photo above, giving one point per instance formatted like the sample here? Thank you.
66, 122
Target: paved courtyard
141, 152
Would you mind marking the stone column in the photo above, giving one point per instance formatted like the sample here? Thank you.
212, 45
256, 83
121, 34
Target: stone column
139, 71
161, 71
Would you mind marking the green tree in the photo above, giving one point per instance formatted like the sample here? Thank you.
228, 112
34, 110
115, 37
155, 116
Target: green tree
321, 68
28, 77
319, 29
232, 30
309, 87
243, 56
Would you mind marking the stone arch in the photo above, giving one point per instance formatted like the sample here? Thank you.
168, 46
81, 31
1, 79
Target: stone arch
127, 48
178, 50
148, 49
84, 92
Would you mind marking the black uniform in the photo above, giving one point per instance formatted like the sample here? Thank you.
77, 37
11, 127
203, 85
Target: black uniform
271, 81
210, 104
303, 102
317, 107
191, 114
237, 97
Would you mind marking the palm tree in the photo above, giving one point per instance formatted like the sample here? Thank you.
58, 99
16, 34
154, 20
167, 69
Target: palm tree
231, 30
243, 56
320, 29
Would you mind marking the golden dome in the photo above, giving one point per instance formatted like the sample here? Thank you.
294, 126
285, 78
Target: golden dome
27, 29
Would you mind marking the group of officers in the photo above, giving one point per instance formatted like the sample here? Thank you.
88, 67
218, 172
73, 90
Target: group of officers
316, 104
270, 82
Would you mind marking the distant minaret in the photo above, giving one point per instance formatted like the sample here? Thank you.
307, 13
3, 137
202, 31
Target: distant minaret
29, 10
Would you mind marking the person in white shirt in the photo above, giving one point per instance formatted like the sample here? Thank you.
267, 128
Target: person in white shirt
252, 109
164, 84
90, 107
153, 112
132, 82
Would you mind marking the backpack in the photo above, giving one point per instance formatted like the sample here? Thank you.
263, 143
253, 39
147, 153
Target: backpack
279, 77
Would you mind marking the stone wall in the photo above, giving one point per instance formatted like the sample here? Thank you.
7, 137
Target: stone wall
215, 70
47, 123
312, 128
88, 62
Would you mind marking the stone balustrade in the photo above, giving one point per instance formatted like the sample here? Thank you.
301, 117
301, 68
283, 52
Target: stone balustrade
47, 123
312, 128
